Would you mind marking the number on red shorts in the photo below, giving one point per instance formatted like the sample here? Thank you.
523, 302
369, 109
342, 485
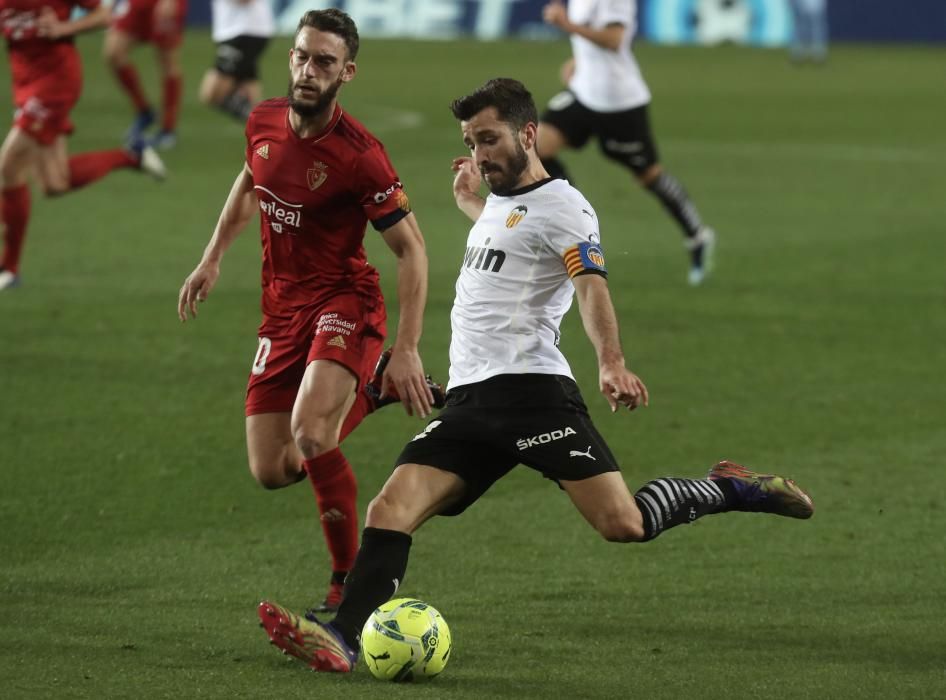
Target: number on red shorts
259, 362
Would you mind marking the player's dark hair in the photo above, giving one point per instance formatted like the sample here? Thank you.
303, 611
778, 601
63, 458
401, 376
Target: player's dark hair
512, 101
335, 22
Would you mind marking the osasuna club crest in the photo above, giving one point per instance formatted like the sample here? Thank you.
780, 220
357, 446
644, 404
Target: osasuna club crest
316, 175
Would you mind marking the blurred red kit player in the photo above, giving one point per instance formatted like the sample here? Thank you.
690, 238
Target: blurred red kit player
47, 82
157, 22
148, 23
317, 177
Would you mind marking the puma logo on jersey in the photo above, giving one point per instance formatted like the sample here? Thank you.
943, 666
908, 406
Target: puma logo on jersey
263, 151
544, 438
338, 342
484, 258
586, 453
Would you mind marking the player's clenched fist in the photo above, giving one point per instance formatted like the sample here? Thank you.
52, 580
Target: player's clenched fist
467, 179
621, 387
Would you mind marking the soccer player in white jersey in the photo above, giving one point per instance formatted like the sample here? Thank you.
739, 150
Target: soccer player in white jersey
606, 97
512, 399
241, 29
810, 38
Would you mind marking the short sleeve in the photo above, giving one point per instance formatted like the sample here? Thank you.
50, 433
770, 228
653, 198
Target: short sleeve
572, 233
380, 192
616, 12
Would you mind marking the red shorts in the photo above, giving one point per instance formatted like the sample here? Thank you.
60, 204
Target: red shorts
44, 100
348, 329
136, 18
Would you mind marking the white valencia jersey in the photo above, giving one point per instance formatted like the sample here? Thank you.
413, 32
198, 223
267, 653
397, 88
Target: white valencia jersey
605, 80
232, 18
515, 282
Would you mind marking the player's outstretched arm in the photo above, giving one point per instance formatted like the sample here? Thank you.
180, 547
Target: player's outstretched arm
405, 371
237, 212
619, 385
50, 26
609, 38
466, 187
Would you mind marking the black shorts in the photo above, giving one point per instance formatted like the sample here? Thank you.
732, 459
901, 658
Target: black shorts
238, 57
487, 428
624, 137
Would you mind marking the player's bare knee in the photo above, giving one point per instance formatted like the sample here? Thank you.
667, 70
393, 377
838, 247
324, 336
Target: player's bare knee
276, 473
272, 477
115, 57
647, 176
621, 527
314, 438
310, 444
385, 512
206, 94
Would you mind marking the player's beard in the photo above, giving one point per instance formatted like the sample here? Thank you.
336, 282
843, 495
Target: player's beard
309, 110
509, 174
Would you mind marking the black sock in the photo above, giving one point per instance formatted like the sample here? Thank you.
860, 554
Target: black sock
237, 105
378, 571
671, 194
666, 503
556, 168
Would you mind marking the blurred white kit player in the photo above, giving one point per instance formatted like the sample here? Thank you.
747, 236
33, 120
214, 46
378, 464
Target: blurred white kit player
241, 30
810, 39
607, 98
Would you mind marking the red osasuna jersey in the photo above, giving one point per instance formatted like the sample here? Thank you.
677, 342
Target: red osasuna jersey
33, 57
316, 196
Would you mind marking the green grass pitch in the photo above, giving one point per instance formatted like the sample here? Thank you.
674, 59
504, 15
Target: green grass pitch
134, 545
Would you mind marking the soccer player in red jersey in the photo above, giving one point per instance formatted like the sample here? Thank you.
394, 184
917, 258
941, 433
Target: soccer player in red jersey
318, 177
158, 22
47, 81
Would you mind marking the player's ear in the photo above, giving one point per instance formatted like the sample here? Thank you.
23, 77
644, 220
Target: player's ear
528, 135
348, 72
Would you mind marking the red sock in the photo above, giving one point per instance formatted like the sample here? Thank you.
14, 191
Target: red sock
128, 77
89, 167
336, 492
361, 408
172, 102
15, 214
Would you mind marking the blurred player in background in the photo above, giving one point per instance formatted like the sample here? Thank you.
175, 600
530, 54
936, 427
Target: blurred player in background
241, 30
810, 39
512, 396
158, 22
47, 82
607, 98
318, 177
